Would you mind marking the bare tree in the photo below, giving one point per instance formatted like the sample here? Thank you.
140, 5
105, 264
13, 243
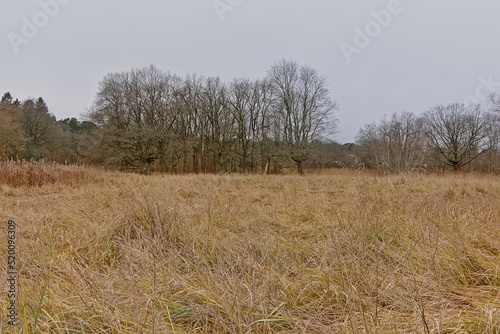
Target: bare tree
303, 105
456, 133
369, 139
491, 159
246, 118
137, 111
206, 125
396, 144
266, 144
218, 125
250, 103
494, 102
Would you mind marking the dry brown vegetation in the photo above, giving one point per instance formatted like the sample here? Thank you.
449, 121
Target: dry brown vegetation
333, 252
19, 173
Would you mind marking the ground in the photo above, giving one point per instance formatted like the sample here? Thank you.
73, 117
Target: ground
330, 252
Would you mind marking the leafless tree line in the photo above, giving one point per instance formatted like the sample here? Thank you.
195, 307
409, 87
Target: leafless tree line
150, 119
146, 119
451, 136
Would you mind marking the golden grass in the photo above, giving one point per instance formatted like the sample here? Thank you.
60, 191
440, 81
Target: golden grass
18, 173
335, 252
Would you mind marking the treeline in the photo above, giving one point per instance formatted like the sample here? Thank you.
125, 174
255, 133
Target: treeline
149, 120
453, 136
29, 131
152, 120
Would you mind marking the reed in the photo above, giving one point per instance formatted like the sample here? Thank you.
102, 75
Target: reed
18, 173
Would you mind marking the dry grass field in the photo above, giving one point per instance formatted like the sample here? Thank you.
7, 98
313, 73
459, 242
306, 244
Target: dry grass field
330, 252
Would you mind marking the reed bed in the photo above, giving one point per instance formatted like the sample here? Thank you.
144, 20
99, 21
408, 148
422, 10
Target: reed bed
19, 173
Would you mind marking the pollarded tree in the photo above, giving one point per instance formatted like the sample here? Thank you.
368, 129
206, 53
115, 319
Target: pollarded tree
303, 107
456, 133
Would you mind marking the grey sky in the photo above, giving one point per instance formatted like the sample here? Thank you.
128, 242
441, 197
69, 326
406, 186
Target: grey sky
429, 52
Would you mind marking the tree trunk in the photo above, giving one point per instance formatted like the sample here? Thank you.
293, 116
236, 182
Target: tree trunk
300, 167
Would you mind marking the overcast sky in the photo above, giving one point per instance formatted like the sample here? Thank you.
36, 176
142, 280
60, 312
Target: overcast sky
379, 56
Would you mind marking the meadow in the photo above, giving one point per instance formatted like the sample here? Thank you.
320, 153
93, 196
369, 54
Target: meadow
336, 251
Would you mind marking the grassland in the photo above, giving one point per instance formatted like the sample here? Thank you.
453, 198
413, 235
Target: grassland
330, 252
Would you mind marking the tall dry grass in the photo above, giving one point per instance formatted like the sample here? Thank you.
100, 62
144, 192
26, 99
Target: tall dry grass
18, 173
338, 252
